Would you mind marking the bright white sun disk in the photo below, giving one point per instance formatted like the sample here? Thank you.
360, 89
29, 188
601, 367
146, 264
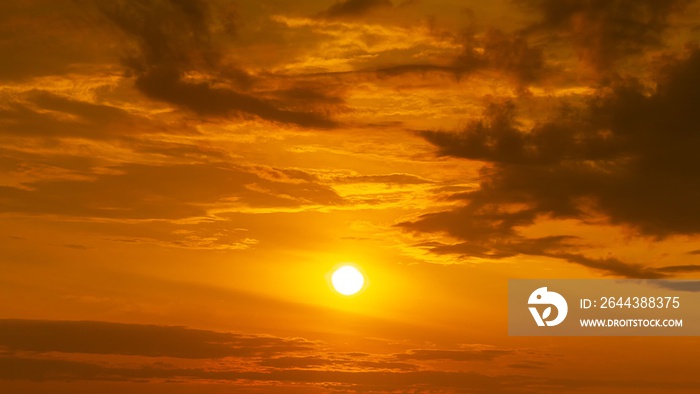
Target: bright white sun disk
347, 280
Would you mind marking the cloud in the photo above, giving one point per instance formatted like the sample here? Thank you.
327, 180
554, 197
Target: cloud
20, 368
452, 355
628, 155
354, 8
178, 59
56, 351
351, 49
45, 350
601, 33
391, 179
680, 268
604, 31
163, 192
76, 246
507, 53
337, 362
38, 113
16, 368
48, 370
44, 336
498, 246
202, 98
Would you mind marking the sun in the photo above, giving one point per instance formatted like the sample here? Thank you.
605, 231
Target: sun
347, 280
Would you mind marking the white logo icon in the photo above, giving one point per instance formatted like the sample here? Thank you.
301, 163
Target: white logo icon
543, 297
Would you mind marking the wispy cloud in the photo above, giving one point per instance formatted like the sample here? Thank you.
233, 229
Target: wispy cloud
43, 336
627, 156
170, 52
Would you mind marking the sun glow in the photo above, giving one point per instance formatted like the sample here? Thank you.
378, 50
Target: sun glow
347, 280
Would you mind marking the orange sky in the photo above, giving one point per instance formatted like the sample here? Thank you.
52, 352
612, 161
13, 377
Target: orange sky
179, 178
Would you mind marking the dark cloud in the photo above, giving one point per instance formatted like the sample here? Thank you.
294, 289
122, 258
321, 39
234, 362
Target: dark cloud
498, 246
38, 119
630, 155
391, 179
452, 355
297, 362
18, 368
611, 265
528, 365
166, 192
83, 110
509, 54
401, 69
354, 8
335, 362
604, 31
44, 336
168, 85
287, 357
303, 95
76, 246
681, 268
216, 356
177, 38
600, 31
45, 370
46, 115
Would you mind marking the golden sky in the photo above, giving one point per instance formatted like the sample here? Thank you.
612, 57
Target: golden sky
178, 179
